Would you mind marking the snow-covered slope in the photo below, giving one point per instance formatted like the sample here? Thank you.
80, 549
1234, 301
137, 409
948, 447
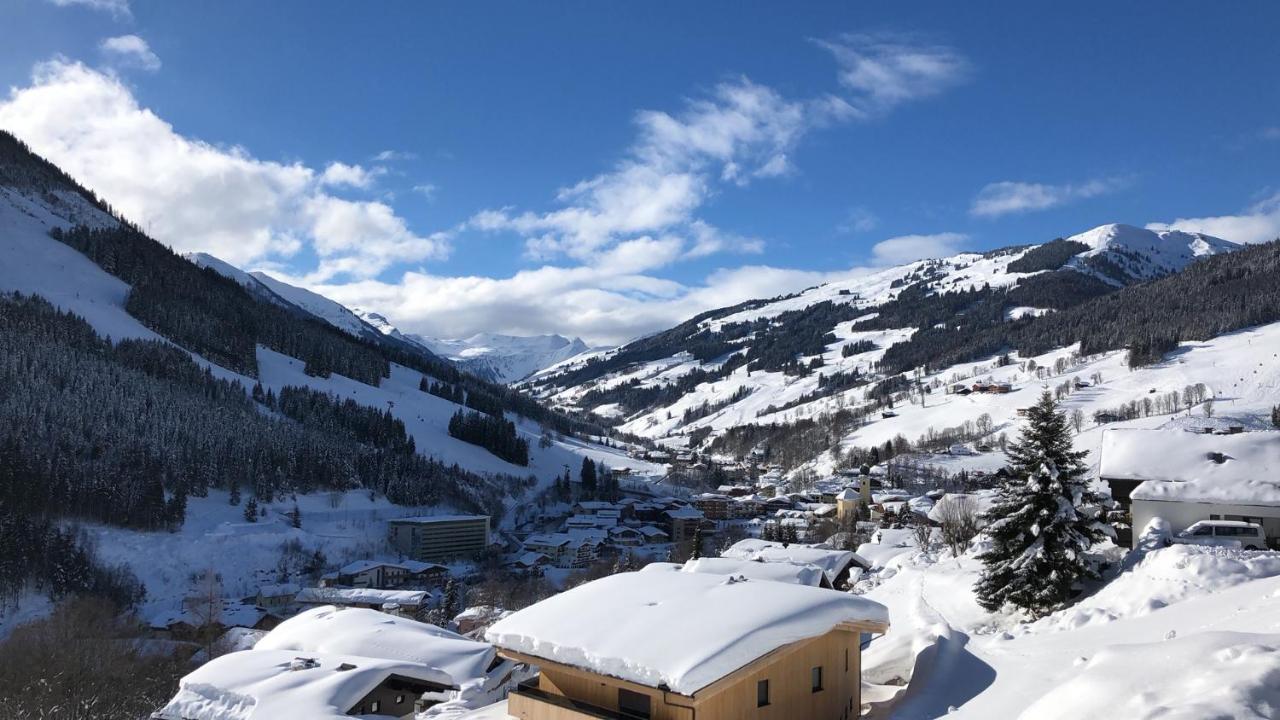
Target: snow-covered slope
654, 397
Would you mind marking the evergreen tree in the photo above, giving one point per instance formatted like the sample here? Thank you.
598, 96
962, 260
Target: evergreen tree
697, 544
588, 477
251, 510
295, 517
1043, 521
235, 492
1275, 416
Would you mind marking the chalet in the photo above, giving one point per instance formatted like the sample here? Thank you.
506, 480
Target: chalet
1000, 388
434, 538
682, 523
371, 574
593, 507
654, 535
277, 597
423, 574
478, 617
714, 506
332, 662
626, 536
563, 549
1101, 418
656, 645
408, 602
837, 564
1186, 477
981, 387
793, 573
960, 389
528, 561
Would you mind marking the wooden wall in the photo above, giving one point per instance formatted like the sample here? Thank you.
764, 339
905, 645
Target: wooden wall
788, 671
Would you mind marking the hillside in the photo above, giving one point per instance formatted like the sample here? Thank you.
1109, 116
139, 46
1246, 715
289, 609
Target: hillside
142, 385
817, 368
505, 358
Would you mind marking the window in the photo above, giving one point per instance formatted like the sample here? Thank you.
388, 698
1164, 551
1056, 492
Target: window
399, 699
1205, 530
815, 679
375, 706
762, 693
633, 704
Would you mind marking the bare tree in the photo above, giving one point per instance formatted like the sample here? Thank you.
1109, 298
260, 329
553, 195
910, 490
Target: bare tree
959, 518
985, 425
922, 533
1077, 419
1208, 408
204, 606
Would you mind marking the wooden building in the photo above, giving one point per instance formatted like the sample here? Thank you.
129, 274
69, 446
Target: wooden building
659, 644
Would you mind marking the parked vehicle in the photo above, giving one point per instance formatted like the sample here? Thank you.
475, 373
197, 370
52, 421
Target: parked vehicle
1226, 533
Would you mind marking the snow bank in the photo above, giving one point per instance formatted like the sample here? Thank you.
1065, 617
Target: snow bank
1162, 578
1208, 675
682, 629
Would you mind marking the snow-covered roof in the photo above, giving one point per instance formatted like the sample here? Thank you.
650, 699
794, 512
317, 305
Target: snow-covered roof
832, 562
362, 596
848, 494
685, 513
1239, 469
359, 566
262, 685
417, 566
684, 630
426, 519
793, 573
279, 589
358, 631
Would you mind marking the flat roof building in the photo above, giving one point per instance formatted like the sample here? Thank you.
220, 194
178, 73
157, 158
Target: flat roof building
433, 538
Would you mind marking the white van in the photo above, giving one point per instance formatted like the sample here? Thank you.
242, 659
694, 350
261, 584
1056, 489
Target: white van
1228, 533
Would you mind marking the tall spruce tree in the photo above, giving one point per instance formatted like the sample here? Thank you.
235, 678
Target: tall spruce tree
588, 477
1043, 521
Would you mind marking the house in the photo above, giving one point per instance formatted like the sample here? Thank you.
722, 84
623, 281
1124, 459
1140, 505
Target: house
527, 561
657, 645
564, 550
714, 505
682, 523
478, 617
654, 535
1185, 477
626, 536
277, 597
837, 564
408, 602
329, 663
423, 574
433, 538
371, 574
794, 573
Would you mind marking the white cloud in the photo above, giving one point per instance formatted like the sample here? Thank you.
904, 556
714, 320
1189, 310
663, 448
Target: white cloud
426, 190
117, 8
1006, 198
338, 174
859, 220
740, 132
882, 70
592, 302
196, 196
394, 155
131, 50
1271, 133
1259, 222
907, 248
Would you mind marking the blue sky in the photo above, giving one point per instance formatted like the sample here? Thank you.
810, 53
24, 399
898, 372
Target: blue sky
606, 170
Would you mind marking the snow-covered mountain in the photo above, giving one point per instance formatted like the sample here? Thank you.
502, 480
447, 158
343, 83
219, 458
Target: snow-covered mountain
505, 358
848, 343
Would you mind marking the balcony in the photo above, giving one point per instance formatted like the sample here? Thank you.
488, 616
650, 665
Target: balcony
527, 702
